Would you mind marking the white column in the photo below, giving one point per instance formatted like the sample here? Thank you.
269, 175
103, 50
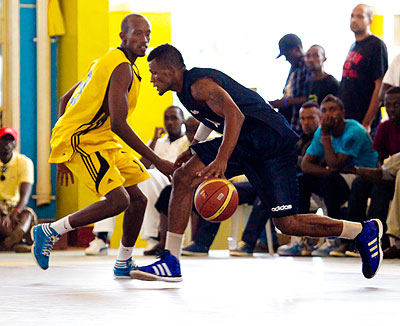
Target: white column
43, 182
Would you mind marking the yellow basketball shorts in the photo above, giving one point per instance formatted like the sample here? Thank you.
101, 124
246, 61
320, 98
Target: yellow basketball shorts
106, 170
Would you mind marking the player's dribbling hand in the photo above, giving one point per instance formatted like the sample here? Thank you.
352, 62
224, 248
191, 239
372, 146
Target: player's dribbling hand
165, 167
183, 158
64, 174
215, 169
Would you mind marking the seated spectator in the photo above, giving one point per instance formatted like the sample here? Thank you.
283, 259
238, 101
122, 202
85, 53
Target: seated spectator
167, 143
387, 173
309, 120
321, 84
161, 205
341, 144
386, 143
16, 180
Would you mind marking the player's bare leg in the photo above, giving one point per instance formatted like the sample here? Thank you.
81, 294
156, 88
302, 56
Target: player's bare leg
184, 184
367, 235
180, 206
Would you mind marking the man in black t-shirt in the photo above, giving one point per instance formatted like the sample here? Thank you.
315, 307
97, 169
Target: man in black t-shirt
363, 71
322, 83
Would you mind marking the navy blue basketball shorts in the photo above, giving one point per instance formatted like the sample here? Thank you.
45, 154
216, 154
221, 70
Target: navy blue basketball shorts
268, 160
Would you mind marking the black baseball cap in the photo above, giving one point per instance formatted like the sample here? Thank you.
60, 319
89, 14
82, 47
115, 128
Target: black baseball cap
288, 42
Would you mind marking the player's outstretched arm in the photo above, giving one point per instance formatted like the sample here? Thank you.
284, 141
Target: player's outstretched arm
118, 110
217, 99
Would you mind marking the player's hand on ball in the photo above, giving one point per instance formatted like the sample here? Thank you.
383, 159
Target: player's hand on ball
215, 169
64, 174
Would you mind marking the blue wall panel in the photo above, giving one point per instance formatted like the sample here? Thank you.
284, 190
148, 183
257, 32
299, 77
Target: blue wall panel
28, 97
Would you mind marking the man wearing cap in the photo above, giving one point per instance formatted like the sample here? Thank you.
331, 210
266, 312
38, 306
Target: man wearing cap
363, 71
296, 88
16, 180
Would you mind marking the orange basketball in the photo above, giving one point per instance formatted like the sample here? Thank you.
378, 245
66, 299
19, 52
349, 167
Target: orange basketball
216, 199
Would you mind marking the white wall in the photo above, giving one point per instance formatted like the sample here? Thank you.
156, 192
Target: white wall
241, 37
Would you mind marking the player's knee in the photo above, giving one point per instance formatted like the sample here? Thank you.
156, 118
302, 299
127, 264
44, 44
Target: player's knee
118, 200
286, 225
181, 179
138, 201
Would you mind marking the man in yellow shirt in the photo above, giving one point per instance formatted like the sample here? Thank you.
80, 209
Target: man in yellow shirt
84, 145
16, 180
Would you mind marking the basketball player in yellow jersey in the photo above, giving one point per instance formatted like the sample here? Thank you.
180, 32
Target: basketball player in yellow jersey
84, 145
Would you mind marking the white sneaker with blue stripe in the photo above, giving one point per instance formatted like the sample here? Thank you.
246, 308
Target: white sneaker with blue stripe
167, 269
44, 238
368, 244
122, 268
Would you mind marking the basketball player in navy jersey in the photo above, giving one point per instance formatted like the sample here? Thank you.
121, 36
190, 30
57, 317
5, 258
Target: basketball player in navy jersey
257, 142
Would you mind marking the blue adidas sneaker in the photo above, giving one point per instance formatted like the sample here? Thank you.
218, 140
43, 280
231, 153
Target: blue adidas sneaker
167, 269
44, 237
122, 268
369, 247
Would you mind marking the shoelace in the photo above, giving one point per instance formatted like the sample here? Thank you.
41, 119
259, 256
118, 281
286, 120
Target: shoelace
162, 253
48, 245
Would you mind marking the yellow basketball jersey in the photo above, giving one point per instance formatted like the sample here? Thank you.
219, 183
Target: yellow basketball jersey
85, 127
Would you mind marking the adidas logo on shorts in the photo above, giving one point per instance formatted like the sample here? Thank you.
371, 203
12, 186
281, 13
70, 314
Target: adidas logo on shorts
281, 208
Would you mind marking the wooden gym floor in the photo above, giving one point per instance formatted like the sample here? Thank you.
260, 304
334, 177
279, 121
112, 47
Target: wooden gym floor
218, 290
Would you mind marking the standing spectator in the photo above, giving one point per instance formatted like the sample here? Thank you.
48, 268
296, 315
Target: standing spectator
391, 78
295, 92
321, 83
341, 143
363, 71
16, 182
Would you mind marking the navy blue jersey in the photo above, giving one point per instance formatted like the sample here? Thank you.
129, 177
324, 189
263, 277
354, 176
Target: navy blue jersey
249, 102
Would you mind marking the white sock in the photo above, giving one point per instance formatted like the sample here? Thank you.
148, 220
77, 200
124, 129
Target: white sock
124, 253
174, 243
62, 225
350, 230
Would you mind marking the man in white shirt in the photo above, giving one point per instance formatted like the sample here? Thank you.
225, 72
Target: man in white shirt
391, 78
168, 143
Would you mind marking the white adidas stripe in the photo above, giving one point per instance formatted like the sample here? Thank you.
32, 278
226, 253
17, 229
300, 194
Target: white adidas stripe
156, 270
166, 269
46, 230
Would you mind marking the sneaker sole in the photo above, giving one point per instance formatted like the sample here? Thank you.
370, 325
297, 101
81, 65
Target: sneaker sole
240, 254
337, 254
33, 249
102, 252
122, 277
196, 254
143, 276
352, 254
